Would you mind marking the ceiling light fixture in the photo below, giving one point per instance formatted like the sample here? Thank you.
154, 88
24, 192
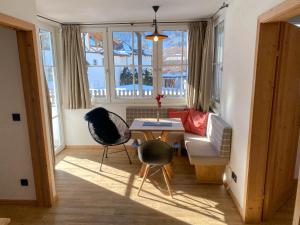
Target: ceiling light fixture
156, 36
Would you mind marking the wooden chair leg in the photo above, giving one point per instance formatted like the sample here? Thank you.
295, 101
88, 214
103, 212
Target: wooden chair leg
144, 178
167, 181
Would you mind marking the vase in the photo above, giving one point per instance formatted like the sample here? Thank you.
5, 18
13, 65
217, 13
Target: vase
157, 115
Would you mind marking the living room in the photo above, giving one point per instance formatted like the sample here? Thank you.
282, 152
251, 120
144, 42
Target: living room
169, 77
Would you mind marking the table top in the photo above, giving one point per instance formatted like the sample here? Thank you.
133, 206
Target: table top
138, 125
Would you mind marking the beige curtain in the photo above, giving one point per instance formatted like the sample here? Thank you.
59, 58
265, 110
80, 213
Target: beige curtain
200, 65
76, 87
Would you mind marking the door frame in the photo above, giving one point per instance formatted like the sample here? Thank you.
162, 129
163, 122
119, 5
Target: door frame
261, 106
34, 102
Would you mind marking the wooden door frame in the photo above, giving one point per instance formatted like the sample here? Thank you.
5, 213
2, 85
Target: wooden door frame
261, 106
34, 102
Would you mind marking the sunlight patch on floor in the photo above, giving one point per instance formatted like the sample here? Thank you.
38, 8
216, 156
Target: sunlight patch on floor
153, 195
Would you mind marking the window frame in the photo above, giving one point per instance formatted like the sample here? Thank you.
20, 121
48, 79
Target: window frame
183, 27
156, 64
133, 100
215, 103
56, 65
107, 99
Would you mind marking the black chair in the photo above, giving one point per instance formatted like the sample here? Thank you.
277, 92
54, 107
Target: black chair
123, 130
156, 153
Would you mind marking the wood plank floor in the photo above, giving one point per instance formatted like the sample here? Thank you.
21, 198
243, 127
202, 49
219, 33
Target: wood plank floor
87, 196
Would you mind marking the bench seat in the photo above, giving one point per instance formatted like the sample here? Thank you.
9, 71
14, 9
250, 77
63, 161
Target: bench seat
210, 154
201, 151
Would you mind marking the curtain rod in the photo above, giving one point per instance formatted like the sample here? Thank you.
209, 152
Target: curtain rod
225, 5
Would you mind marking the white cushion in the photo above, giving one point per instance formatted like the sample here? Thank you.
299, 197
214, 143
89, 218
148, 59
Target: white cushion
201, 151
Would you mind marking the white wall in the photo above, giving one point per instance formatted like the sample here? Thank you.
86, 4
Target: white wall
240, 39
24, 9
76, 130
15, 157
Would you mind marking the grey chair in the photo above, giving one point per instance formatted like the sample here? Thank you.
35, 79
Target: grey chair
155, 153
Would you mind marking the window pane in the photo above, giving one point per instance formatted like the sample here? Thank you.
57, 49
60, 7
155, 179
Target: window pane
94, 54
46, 48
97, 82
133, 65
122, 48
56, 132
185, 47
142, 49
94, 49
172, 80
173, 48
175, 58
147, 81
218, 60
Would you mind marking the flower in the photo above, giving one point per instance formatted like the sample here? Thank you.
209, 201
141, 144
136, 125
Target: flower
158, 99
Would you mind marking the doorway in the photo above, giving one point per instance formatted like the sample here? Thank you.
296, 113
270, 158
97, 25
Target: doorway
274, 126
34, 102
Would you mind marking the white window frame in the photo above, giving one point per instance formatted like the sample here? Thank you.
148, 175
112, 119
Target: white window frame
171, 100
46, 27
216, 104
106, 62
136, 100
156, 64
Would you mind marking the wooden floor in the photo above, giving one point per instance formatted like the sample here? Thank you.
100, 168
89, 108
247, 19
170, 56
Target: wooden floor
87, 196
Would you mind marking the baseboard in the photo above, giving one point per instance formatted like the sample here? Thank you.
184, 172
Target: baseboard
95, 147
235, 201
17, 202
83, 147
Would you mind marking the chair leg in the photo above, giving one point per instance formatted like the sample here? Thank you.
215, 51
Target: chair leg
167, 181
144, 178
104, 151
127, 154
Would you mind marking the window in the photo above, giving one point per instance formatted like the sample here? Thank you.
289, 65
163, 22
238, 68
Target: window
50, 71
218, 60
132, 64
174, 64
95, 60
127, 66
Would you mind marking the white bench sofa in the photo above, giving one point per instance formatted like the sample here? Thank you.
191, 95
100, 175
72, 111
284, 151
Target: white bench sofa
210, 154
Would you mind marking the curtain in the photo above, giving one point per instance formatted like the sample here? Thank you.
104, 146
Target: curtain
200, 65
76, 87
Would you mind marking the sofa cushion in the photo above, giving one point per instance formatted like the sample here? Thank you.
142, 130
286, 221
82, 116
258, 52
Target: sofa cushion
197, 122
182, 114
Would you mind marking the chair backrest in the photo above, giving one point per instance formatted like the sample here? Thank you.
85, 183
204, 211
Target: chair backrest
155, 152
219, 134
121, 125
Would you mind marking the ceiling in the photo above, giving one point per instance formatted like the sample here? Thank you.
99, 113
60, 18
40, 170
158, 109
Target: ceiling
100, 11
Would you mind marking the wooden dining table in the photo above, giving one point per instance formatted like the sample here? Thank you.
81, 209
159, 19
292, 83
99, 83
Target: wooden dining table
150, 127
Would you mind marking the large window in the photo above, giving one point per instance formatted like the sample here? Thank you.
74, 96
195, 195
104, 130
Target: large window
218, 60
50, 71
94, 49
127, 66
174, 63
132, 64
